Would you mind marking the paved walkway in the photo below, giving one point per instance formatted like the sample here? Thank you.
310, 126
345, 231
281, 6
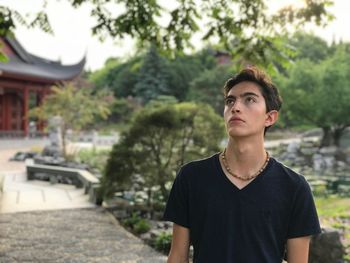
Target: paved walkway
70, 236
20, 195
80, 232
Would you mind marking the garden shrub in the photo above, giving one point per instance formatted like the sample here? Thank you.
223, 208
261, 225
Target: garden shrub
163, 242
142, 226
137, 224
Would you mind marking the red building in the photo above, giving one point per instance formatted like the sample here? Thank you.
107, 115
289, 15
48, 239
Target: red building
25, 80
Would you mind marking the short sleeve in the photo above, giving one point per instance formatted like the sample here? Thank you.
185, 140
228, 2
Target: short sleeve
177, 208
303, 219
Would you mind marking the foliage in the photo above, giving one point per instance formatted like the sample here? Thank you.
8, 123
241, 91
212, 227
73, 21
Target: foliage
121, 78
10, 18
184, 68
245, 28
100, 77
178, 72
118, 171
76, 108
153, 77
317, 94
208, 87
137, 224
122, 109
163, 242
309, 46
94, 158
142, 227
161, 138
333, 206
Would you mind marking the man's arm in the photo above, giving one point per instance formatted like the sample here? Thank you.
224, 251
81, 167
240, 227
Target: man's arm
180, 245
298, 249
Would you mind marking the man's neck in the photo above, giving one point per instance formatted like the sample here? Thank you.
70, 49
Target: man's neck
245, 155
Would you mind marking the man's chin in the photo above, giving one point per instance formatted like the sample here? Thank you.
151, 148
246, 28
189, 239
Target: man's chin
236, 133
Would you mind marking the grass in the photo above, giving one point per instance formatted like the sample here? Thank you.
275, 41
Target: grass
333, 206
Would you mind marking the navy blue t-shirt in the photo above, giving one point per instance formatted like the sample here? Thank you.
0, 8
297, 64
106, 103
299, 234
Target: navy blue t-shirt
251, 225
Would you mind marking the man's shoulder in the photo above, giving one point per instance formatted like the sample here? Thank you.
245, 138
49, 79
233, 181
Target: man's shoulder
199, 165
201, 162
287, 173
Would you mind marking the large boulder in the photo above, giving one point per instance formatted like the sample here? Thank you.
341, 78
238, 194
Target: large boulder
326, 248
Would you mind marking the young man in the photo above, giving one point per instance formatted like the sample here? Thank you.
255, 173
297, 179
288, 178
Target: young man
241, 205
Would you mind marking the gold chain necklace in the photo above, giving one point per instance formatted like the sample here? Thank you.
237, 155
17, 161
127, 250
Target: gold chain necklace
223, 155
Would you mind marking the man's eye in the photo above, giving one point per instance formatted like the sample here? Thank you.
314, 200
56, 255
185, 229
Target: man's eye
250, 99
229, 101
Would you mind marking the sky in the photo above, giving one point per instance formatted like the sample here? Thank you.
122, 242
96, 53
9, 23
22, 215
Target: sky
72, 38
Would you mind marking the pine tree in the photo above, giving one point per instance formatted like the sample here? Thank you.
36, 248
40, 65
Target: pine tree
153, 77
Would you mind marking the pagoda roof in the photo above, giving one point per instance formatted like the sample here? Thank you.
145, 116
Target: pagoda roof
23, 65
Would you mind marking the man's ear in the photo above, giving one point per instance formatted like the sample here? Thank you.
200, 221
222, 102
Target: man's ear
271, 118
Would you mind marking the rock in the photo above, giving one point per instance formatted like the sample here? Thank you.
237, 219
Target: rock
129, 195
158, 215
161, 225
331, 150
308, 150
53, 179
326, 248
293, 147
52, 150
299, 160
318, 162
146, 236
22, 156
329, 162
120, 214
341, 164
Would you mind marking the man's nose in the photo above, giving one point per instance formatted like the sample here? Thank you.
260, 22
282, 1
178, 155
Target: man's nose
236, 107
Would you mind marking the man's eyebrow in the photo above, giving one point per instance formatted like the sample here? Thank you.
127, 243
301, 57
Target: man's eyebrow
245, 94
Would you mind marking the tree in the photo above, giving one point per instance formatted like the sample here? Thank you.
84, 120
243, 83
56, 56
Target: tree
122, 77
208, 87
309, 46
153, 78
76, 107
184, 68
246, 28
161, 138
318, 94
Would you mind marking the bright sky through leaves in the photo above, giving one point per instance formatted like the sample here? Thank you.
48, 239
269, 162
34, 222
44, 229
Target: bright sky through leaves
73, 38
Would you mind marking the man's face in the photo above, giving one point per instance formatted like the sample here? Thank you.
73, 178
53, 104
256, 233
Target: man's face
245, 111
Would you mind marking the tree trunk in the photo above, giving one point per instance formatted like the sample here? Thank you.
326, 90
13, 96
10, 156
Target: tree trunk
149, 197
64, 146
327, 138
332, 136
337, 134
165, 193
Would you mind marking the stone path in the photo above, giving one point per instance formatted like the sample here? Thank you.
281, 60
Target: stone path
20, 195
70, 236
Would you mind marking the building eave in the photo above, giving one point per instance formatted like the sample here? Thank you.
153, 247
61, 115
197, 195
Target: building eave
26, 65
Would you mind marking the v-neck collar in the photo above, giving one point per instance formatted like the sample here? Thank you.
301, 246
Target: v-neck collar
250, 184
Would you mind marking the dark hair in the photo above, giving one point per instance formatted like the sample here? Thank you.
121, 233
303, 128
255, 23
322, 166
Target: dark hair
269, 91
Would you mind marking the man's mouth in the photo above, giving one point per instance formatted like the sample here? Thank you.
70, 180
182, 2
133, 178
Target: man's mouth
235, 119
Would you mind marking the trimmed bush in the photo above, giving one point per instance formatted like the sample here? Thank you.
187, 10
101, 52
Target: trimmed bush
163, 242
